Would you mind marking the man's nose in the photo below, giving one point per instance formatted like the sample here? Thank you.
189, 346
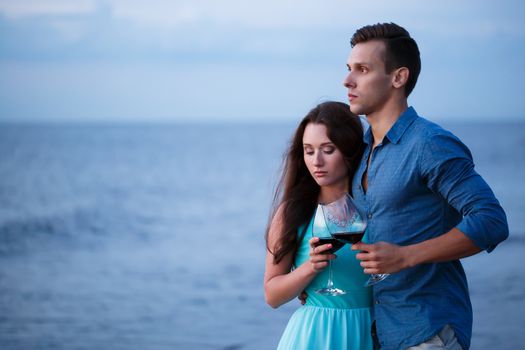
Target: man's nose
348, 82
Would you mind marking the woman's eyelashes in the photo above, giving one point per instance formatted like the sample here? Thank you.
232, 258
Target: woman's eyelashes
325, 149
328, 150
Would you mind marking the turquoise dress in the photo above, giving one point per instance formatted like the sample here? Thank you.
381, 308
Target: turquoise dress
331, 322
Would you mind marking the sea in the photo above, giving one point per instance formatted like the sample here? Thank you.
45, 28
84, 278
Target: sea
137, 236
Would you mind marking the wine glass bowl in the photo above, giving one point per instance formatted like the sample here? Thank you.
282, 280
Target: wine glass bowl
347, 223
344, 220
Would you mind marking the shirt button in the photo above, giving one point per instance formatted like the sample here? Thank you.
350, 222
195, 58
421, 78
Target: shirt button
369, 215
378, 302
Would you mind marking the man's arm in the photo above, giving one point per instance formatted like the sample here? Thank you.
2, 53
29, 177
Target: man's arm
384, 257
447, 169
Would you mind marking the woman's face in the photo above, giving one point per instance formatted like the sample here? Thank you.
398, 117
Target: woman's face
322, 158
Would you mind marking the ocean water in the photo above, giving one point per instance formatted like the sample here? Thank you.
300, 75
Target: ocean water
151, 237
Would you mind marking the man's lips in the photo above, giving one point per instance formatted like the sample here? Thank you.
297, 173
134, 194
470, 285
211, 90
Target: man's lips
351, 96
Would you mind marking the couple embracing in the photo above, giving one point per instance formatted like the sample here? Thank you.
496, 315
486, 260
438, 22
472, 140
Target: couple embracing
425, 205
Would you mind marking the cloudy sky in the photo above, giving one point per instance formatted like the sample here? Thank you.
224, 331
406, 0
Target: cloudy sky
179, 60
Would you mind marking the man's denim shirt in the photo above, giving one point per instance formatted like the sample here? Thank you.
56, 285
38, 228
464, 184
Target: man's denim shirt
421, 184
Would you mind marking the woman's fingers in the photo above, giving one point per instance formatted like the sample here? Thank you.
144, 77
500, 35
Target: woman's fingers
320, 261
320, 249
313, 242
319, 254
322, 257
320, 266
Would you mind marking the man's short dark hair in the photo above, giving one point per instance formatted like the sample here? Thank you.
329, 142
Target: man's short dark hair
401, 49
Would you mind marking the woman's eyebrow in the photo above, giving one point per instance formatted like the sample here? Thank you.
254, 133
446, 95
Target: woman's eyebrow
330, 143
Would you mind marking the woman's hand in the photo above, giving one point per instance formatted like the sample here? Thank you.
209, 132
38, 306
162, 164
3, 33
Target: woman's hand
319, 255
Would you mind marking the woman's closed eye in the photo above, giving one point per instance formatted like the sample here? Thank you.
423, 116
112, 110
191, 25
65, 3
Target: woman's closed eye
308, 151
328, 150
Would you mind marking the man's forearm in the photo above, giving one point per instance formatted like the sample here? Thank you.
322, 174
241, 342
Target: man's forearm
452, 245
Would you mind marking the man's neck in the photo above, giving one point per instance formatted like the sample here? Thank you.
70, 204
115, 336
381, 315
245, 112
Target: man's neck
381, 121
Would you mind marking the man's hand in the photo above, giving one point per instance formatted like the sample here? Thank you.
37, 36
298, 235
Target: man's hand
302, 297
381, 257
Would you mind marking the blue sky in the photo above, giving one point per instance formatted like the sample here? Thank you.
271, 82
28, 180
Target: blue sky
201, 60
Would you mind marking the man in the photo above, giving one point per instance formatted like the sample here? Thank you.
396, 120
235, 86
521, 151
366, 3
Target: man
426, 206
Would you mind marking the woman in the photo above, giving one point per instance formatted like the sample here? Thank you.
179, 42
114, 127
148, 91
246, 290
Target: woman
319, 166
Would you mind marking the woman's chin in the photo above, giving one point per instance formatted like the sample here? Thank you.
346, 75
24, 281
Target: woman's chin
323, 182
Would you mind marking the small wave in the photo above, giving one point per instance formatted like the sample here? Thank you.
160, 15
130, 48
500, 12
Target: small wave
233, 347
20, 235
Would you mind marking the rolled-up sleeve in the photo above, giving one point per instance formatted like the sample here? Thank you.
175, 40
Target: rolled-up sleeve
449, 170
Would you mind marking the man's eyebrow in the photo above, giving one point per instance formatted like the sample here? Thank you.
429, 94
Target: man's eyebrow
358, 64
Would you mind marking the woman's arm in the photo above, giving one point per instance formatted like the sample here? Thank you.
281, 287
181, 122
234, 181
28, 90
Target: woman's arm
282, 285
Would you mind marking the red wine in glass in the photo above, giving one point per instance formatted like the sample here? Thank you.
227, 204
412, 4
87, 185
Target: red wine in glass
349, 237
336, 244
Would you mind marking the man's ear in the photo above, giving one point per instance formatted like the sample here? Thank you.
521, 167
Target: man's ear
400, 77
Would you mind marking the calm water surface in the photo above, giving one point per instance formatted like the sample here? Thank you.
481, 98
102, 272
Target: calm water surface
131, 237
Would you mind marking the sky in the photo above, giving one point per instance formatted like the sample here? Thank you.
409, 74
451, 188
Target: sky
225, 60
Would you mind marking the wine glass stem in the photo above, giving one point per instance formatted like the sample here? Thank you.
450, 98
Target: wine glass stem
330, 283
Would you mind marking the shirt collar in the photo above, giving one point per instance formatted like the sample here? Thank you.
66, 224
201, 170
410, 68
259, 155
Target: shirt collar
367, 138
401, 125
397, 130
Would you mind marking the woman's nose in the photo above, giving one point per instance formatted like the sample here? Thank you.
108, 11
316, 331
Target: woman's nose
318, 159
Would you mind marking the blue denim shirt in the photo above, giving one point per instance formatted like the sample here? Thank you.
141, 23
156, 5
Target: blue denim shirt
421, 184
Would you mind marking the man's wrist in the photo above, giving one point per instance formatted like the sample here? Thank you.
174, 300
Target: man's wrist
410, 256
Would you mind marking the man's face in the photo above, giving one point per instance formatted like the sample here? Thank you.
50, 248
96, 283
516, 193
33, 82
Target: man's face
369, 86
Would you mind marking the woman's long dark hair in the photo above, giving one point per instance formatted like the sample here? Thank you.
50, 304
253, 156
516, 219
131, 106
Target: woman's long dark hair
297, 192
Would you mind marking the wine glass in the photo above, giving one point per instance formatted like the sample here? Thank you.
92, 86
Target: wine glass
320, 230
347, 223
